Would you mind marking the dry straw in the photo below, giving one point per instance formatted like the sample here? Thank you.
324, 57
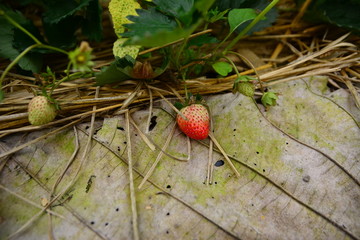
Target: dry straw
297, 50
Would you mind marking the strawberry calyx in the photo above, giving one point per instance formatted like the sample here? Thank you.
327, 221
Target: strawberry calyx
244, 85
191, 99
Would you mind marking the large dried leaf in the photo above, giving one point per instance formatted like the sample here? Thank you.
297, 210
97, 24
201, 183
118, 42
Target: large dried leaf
287, 189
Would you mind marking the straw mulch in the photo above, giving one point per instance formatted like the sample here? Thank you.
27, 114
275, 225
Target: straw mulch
289, 50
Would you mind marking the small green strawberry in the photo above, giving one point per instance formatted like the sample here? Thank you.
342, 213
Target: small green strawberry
246, 88
197, 124
41, 111
269, 99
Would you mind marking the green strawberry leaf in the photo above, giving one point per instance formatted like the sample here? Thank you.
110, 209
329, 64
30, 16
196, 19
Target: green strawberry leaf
59, 10
269, 99
222, 68
119, 10
110, 74
92, 24
203, 6
13, 42
239, 16
62, 34
267, 21
258, 5
7, 49
168, 21
230, 4
181, 10
161, 38
214, 15
201, 40
337, 12
119, 50
126, 61
147, 23
62, 19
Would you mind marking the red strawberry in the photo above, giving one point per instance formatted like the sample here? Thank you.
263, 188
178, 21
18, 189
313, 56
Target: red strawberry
197, 124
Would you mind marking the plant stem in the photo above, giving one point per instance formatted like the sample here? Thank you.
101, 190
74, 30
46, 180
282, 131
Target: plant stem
16, 60
262, 89
62, 80
248, 27
23, 53
13, 22
38, 44
178, 55
221, 43
233, 65
53, 48
37, 41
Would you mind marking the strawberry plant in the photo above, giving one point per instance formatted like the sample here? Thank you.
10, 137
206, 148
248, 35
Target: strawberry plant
176, 33
160, 23
25, 44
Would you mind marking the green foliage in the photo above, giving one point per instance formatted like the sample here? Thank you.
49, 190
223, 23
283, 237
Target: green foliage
201, 40
92, 27
148, 23
119, 10
127, 68
119, 50
167, 21
59, 10
13, 42
257, 5
342, 13
239, 16
161, 38
222, 68
61, 34
110, 74
215, 15
61, 19
181, 10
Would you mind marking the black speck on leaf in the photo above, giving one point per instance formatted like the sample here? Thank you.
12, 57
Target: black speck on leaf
219, 163
152, 123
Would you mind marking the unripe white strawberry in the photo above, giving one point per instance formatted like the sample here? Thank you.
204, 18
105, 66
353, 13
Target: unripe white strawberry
41, 111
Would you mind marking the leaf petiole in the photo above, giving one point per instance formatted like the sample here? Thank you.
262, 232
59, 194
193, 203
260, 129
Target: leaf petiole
16, 60
38, 44
233, 65
37, 41
252, 24
13, 22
